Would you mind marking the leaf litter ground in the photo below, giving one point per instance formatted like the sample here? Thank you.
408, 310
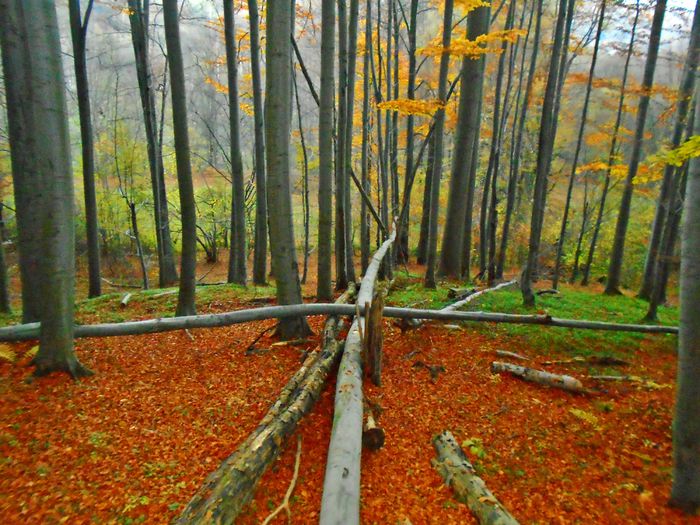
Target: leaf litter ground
134, 442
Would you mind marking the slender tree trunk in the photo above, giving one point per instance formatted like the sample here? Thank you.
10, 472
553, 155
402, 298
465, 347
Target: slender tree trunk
612, 286
471, 190
422, 256
137, 240
402, 249
613, 153
577, 149
685, 492
439, 137
237, 272
277, 130
188, 210
325, 151
544, 155
260, 253
521, 108
79, 25
585, 215
364, 223
41, 164
341, 276
138, 19
5, 306
685, 93
304, 179
466, 138
350, 111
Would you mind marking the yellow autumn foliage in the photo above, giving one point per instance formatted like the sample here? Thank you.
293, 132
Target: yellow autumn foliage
488, 43
407, 106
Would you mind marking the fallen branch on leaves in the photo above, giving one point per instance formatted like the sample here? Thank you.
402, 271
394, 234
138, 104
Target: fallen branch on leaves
225, 491
511, 355
593, 360
434, 370
564, 382
285, 502
470, 489
456, 306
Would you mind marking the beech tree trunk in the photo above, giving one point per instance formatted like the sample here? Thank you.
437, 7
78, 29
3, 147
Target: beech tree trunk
260, 253
577, 149
365, 161
612, 286
613, 153
188, 209
666, 198
325, 150
467, 132
237, 272
439, 147
564, 382
5, 302
79, 25
341, 236
277, 130
139, 23
544, 155
41, 167
685, 492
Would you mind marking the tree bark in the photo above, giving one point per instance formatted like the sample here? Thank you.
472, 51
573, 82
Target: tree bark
365, 161
612, 286
41, 167
470, 489
468, 123
325, 150
439, 147
564, 382
341, 236
277, 130
79, 24
685, 492
237, 272
577, 149
544, 155
260, 253
138, 20
613, 153
5, 302
340, 502
188, 210
666, 198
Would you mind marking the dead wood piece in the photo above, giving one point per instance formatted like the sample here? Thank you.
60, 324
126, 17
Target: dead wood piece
460, 293
593, 360
121, 285
512, 355
411, 354
455, 306
548, 291
564, 382
374, 340
373, 436
125, 300
470, 489
226, 491
407, 324
285, 502
434, 370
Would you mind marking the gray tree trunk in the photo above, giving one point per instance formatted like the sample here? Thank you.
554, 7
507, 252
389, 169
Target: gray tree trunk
237, 255
365, 161
686, 424
341, 235
260, 253
138, 20
613, 153
41, 165
79, 25
577, 149
439, 147
544, 156
277, 130
325, 151
5, 302
468, 123
188, 210
612, 286
685, 93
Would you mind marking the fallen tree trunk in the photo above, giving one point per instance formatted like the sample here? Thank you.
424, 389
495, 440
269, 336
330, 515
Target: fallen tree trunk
470, 489
568, 383
30, 331
469, 298
511, 355
340, 503
226, 490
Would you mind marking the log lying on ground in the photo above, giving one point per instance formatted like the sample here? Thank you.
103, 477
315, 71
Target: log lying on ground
372, 434
470, 489
568, 383
603, 360
125, 300
30, 331
459, 304
340, 503
512, 355
230, 487
459, 293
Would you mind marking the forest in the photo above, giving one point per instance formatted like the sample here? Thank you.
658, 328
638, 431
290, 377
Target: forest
342, 261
